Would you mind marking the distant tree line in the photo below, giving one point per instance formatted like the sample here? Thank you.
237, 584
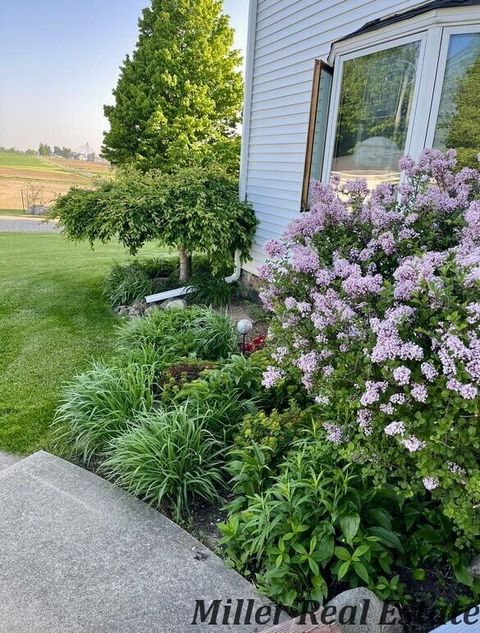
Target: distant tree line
46, 150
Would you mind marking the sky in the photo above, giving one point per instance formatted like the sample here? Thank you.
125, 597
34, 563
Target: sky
60, 62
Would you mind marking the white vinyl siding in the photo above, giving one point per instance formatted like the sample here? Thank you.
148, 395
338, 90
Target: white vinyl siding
289, 35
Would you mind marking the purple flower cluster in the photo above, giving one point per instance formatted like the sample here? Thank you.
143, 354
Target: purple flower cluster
376, 302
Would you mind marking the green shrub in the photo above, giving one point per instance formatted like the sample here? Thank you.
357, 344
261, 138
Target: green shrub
127, 283
195, 209
170, 457
104, 402
211, 290
317, 526
230, 390
177, 334
277, 430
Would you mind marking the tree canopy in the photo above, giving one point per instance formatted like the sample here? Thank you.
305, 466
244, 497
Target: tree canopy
178, 97
194, 210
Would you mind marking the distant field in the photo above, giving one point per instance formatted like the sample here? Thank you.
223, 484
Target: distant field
48, 177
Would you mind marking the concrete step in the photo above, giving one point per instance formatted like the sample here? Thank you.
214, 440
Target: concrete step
79, 555
7, 460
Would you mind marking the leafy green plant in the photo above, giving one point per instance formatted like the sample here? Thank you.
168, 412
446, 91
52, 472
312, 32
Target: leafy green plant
127, 283
317, 526
170, 457
103, 403
211, 290
177, 334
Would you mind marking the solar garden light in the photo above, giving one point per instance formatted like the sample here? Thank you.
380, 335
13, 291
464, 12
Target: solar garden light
244, 327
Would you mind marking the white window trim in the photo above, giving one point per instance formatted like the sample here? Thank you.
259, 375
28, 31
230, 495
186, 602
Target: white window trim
433, 30
337, 85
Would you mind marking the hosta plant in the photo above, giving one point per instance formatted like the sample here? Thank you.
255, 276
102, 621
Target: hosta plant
376, 303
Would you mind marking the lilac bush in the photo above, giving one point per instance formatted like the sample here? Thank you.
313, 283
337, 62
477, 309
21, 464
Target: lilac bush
376, 303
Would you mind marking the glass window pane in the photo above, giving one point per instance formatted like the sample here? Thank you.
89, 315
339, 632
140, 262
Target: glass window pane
374, 112
321, 124
458, 123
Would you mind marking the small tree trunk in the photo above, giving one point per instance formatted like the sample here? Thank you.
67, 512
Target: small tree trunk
185, 265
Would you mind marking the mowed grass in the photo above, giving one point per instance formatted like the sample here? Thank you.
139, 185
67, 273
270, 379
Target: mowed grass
17, 161
53, 321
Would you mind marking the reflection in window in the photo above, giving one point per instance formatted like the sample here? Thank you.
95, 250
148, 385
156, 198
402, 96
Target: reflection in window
458, 123
374, 112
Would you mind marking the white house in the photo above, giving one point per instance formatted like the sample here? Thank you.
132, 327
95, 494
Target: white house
386, 78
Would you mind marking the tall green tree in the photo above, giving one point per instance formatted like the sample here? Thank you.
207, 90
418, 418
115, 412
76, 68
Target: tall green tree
178, 97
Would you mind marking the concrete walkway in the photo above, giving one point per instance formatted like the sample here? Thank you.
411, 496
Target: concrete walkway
78, 555
21, 224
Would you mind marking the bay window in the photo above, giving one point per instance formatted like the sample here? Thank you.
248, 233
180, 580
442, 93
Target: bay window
396, 90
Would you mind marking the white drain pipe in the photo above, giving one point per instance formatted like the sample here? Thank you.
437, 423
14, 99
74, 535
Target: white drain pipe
185, 290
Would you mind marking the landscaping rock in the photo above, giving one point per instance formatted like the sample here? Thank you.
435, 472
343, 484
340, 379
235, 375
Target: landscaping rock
174, 304
134, 311
360, 611
152, 308
474, 567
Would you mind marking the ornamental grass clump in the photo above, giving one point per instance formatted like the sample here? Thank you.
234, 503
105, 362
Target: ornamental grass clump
102, 403
376, 303
170, 456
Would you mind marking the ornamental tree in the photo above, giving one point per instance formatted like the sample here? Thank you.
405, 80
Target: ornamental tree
376, 303
179, 96
193, 209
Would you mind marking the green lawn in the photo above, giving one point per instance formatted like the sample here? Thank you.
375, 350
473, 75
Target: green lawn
9, 159
53, 320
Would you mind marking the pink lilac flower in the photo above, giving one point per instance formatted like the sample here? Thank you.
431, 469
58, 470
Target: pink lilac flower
355, 286
265, 272
431, 483
322, 399
407, 164
387, 243
327, 371
387, 409
419, 393
398, 398
274, 248
304, 308
394, 428
467, 391
334, 433
267, 296
474, 313
373, 391
290, 303
307, 363
429, 371
364, 419
280, 354
415, 271
356, 187
402, 375
304, 259
413, 444
455, 469
471, 232
271, 376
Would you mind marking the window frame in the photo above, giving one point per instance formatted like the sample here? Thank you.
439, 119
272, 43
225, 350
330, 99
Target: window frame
447, 33
433, 29
320, 67
420, 37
